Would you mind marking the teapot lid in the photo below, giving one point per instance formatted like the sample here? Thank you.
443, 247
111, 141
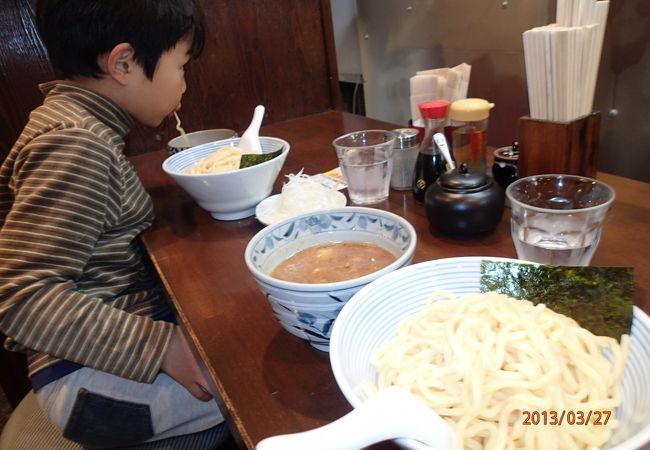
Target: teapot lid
464, 180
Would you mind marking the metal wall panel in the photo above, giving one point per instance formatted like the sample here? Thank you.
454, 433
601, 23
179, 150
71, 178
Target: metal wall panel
398, 38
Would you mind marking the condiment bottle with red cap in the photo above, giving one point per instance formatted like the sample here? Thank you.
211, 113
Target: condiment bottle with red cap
430, 163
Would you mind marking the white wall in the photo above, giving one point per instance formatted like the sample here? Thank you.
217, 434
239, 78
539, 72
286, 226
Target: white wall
382, 43
348, 58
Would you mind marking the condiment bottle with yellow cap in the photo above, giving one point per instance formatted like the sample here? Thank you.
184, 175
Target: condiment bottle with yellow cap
469, 123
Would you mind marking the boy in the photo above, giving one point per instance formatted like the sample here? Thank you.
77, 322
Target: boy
107, 362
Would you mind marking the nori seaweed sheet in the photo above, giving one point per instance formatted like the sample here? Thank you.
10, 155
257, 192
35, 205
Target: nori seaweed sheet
600, 299
253, 159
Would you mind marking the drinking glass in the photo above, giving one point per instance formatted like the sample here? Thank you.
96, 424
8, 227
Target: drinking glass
558, 219
365, 158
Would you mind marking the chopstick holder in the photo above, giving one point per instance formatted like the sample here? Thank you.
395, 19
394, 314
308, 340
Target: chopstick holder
559, 147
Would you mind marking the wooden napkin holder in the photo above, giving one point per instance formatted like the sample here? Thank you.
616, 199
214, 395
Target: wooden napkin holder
559, 147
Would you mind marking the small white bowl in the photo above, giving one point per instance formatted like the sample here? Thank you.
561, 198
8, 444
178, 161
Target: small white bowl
309, 310
228, 195
373, 315
268, 210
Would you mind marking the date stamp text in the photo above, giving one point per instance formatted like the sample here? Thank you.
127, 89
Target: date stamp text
569, 417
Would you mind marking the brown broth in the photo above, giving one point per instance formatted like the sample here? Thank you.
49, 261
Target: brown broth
337, 261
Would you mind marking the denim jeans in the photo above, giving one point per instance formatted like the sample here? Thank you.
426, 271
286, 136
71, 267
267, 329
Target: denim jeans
98, 409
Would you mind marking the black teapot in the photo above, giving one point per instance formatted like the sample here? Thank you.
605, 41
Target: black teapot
464, 201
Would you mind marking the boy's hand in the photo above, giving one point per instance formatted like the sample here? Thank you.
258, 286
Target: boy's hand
180, 364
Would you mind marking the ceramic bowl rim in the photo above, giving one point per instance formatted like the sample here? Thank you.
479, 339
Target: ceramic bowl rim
402, 260
223, 142
233, 134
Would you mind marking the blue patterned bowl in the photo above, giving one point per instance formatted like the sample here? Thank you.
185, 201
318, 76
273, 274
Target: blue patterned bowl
309, 310
373, 316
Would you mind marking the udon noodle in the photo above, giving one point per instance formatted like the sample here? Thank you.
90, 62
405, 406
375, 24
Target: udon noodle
180, 129
226, 158
486, 360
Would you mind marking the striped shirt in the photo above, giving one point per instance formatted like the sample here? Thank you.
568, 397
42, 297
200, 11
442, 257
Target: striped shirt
75, 282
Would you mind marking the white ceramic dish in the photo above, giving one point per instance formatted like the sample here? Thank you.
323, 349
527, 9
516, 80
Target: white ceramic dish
309, 310
393, 412
268, 210
373, 314
228, 195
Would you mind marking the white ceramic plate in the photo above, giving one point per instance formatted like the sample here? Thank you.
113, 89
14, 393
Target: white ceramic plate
267, 210
372, 316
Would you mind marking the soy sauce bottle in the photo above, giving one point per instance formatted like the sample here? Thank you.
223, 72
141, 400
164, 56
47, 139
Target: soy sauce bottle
430, 163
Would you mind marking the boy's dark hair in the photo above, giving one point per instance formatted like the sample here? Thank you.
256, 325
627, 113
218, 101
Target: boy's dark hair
77, 32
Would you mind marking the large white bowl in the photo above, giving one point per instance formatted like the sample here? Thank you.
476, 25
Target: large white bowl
228, 195
373, 314
309, 310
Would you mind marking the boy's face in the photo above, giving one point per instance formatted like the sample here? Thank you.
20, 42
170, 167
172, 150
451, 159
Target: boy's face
161, 96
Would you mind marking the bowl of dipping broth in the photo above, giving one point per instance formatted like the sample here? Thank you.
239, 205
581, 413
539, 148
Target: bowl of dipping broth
210, 174
310, 265
498, 370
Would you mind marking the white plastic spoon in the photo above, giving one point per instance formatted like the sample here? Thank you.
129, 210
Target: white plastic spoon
250, 140
392, 413
441, 142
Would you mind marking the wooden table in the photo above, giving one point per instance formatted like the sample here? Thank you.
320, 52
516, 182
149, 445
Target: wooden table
269, 381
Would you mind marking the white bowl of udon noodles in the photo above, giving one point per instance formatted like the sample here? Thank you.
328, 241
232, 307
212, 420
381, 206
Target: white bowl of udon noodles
231, 194
366, 354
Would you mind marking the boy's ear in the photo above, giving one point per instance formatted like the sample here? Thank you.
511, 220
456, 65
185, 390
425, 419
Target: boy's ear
119, 63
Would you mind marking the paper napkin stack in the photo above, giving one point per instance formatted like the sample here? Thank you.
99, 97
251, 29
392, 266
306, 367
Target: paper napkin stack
438, 84
562, 60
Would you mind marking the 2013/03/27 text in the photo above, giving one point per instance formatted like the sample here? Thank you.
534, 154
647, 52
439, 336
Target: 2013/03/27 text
569, 417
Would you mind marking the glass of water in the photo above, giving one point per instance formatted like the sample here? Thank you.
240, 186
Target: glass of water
365, 158
558, 219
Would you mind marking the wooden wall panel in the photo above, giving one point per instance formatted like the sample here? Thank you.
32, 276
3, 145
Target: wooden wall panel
277, 53
23, 64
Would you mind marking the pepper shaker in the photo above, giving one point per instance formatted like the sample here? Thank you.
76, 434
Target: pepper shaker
405, 152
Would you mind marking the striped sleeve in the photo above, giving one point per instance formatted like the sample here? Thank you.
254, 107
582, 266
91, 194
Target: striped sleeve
67, 186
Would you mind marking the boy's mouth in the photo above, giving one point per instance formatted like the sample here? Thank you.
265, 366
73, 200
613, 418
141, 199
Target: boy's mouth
171, 114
